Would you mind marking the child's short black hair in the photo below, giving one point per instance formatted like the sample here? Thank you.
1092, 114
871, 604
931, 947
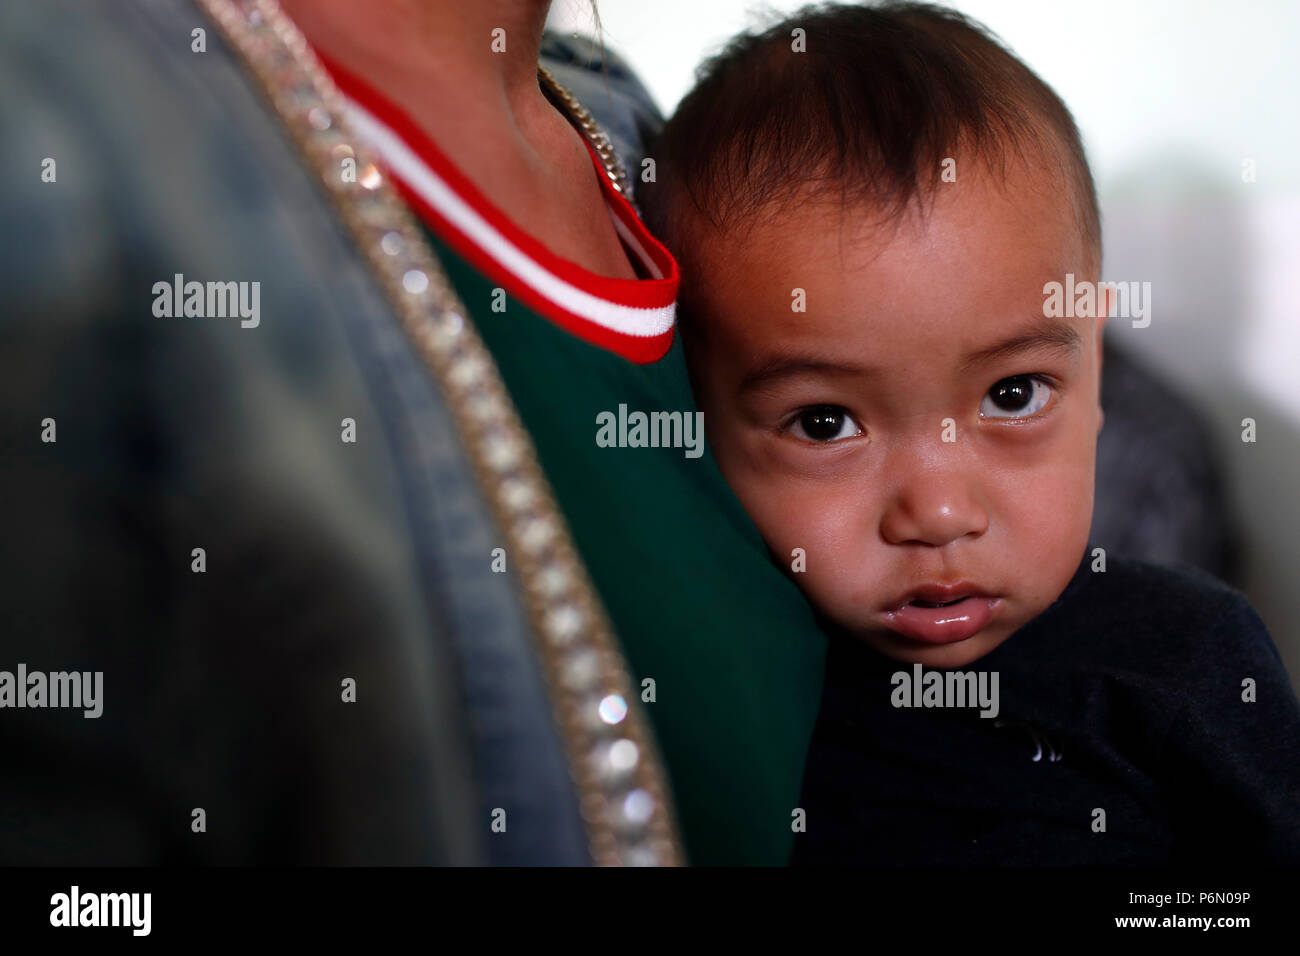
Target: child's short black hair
878, 97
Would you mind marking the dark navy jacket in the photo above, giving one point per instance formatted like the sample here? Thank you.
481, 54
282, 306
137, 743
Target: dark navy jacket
1126, 696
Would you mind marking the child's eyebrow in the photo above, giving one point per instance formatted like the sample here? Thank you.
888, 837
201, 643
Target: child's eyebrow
1049, 336
788, 366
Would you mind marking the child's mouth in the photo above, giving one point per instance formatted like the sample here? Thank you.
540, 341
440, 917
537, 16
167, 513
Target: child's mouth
919, 603
943, 622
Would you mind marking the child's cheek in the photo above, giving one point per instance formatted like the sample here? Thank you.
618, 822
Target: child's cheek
822, 540
1048, 528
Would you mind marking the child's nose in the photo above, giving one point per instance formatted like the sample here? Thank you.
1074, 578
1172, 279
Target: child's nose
934, 507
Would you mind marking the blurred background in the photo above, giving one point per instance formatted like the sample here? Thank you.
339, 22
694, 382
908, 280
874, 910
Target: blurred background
1189, 114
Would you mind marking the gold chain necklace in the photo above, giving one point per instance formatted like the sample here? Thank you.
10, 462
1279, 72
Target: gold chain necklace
615, 764
581, 117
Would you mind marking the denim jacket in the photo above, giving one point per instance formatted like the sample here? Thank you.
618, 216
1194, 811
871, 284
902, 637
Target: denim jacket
305, 655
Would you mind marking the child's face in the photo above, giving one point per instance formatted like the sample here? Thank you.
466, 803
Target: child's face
830, 423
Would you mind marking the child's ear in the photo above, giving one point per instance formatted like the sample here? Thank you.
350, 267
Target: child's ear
1105, 301
1102, 314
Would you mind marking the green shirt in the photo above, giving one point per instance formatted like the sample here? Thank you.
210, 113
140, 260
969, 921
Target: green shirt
696, 601
699, 608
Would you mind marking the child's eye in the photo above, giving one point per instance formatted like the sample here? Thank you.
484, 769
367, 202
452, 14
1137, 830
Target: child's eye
1017, 397
824, 423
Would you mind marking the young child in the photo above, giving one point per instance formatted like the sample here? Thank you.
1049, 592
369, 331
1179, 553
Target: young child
870, 206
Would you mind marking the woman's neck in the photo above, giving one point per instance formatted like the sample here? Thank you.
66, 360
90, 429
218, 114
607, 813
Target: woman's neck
465, 71
455, 55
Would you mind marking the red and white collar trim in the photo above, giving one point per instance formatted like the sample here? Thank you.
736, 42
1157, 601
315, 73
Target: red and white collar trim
633, 318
